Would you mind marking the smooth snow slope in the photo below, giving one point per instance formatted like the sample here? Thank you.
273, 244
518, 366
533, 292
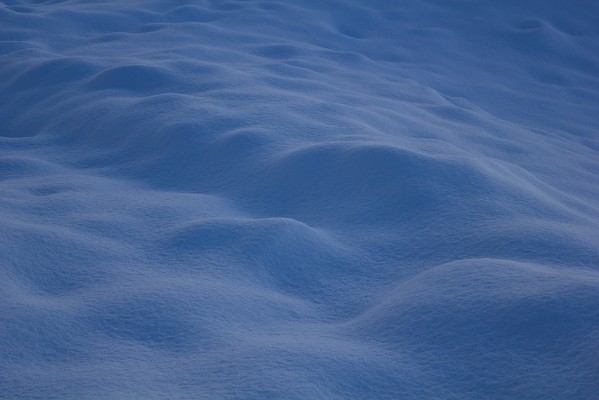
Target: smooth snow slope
303, 199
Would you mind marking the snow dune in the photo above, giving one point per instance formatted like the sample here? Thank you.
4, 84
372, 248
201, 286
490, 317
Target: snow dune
310, 199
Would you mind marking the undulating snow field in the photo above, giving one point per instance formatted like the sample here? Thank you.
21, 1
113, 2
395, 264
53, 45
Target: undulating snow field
307, 199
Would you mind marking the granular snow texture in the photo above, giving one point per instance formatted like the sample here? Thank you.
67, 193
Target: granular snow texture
259, 199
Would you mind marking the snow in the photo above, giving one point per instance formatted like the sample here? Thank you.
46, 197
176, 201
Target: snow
311, 199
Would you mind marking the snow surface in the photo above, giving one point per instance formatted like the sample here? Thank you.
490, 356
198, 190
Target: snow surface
307, 199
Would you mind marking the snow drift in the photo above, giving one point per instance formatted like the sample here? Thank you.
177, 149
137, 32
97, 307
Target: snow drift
308, 199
